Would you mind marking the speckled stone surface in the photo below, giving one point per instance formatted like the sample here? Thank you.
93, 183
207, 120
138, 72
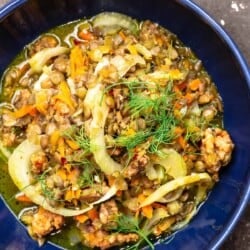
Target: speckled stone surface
234, 16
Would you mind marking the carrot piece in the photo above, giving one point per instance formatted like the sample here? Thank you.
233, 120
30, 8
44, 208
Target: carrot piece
91, 237
23, 198
182, 142
25, 110
72, 144
93, 214
77, 62
194, 84
62, 173
147, 211
178, 130
189, 97
78, 193
64, 95
68, 195
54, 137
61, 147
86, 35
81, 218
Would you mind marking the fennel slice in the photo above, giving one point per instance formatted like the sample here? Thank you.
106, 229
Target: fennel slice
173, 185
18, 167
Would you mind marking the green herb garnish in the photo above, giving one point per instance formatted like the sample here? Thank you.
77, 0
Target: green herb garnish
79, 136
86, 178
130, 224
47, 192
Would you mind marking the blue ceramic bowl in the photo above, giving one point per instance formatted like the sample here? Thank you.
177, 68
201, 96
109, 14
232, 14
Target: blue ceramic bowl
22, 21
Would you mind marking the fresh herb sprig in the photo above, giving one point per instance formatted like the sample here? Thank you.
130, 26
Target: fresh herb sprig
130, 224
130, 142
79, 136
47, 192
164, 133
87, 177
152, 106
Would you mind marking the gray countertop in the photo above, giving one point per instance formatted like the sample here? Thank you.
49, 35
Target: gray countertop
234, 16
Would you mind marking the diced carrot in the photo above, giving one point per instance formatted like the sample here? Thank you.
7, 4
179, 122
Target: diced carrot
61, 147
77, 62
189, 98
178, 105
93, 214
68, 195
23, 198
78, 193
72, 144
54, 137
194, 84
182, 142
91, 237
178, 130
64, 95
81, 218
25, 110
62, 173
147, 211
86, 35
141, 198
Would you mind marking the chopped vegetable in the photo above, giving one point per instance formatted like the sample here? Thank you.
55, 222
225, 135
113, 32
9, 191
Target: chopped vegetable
111, 22
96, 102
172, 162
19, 171
174, 184
38, 60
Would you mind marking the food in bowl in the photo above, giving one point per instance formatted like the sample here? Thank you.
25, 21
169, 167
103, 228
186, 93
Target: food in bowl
113, 132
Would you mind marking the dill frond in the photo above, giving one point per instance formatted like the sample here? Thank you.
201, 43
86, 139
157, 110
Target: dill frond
130, 224
164, 133
47, 192
79, 136
130, 142
86, 178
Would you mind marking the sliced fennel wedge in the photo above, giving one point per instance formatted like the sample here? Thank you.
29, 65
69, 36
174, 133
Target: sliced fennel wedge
173, 163
111, 22
19, 171
173, 185
95, 101
38, 60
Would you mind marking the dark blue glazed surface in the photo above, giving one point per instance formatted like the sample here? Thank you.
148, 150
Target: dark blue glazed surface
221, 58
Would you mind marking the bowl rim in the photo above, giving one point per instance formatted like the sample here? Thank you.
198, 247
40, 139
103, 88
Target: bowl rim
10, 6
